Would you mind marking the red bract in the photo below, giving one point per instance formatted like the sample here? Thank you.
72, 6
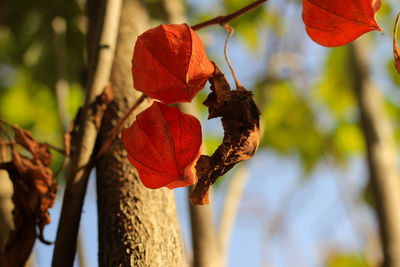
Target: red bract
170, 64
164, 145
338, 22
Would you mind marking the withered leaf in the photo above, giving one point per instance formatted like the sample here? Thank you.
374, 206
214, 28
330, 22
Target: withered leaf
396, 49
40, 151
34, 193
241, 122
101, 103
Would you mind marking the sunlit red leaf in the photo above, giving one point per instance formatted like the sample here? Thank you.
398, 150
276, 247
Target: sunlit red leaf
338, 22
164, 145
170, 64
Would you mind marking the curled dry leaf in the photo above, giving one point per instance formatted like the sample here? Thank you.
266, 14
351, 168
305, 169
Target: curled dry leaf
338, 22
101, 103
396, 49
241, 122
164, 145
40, 151
170, 64
34, 193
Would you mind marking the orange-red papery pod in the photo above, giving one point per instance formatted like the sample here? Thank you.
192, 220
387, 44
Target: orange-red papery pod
170, 64
164, 145
338, 22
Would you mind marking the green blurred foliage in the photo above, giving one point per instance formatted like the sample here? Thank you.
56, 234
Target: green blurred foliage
41, 42
346, 260
334, 96
288, 126
334, 89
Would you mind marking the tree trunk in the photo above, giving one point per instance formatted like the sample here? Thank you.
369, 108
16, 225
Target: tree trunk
381, 157
206, 245
137, 226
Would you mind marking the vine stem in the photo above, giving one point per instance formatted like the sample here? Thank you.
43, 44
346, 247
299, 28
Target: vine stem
228, 17
239, 86
4, 130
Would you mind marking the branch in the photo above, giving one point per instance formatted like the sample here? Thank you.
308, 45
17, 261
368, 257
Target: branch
230, 209
239, 86
65, 246
62, 86
226, 18
381, 156
175, 11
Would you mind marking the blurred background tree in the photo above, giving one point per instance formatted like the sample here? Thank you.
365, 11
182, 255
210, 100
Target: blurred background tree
309, 200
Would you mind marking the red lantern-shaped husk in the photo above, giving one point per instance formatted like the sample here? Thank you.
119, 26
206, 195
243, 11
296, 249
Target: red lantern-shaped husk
170, 64
164, 145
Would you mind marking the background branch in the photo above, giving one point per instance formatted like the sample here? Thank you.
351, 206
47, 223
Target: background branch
226, 18
381, 156
237, 184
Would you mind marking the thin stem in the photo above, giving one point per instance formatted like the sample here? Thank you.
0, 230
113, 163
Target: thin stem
239, 86
4, 130
118, 127
226, 18
395, 29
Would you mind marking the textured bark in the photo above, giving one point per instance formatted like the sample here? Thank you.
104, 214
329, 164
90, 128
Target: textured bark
381, 156
137, 226
6, 206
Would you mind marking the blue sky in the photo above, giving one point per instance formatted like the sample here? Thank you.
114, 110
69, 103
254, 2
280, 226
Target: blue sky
314, 219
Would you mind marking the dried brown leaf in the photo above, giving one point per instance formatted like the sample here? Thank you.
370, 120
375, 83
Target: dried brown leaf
2, 151
34, 193
101, 103
40, 151
240, 119
396, 49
